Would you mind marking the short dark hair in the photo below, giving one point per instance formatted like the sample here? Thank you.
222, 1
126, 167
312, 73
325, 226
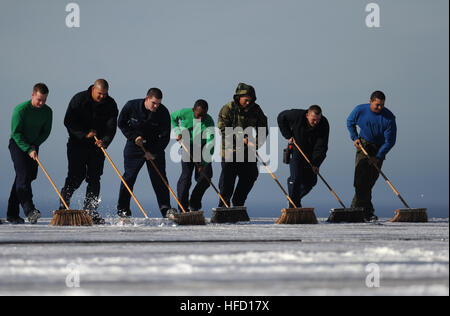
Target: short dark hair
377, 95
201, 103
155, 92
102, 84
316, 109
40, 87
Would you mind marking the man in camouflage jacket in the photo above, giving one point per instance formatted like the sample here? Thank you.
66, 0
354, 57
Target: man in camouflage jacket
238, 120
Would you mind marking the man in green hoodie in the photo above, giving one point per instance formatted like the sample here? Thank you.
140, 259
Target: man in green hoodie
30, 127
195, 128
237, 120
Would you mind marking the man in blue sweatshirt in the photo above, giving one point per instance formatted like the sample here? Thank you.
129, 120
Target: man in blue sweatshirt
145, 123
378, 133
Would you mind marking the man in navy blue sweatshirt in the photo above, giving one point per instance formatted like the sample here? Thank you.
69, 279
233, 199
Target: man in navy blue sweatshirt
378, 133
145, 122
91, 113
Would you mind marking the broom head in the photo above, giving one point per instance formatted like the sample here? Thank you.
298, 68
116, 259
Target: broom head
71, 218
410, 215
297, 216
190, 218
346, 215
230, 215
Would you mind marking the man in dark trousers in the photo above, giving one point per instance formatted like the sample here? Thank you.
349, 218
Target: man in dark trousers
30, 127
310, 130
243, 113
91, 113
145, 123
197, 127
378, 134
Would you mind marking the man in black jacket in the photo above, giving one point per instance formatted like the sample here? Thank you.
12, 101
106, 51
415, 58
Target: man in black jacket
310, 130
92, 113
145, 122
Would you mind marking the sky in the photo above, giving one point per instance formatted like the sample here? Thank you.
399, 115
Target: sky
295, 54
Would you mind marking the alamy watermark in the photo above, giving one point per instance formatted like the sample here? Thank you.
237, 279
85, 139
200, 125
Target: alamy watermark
229, 146
73, 18
373, 18
374, 275
234, 148
73, 277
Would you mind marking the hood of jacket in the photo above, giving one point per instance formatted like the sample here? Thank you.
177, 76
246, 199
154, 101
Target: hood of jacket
243, 90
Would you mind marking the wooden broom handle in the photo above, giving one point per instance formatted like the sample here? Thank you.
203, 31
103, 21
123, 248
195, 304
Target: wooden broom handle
123, 181
326, 183
383, 175
165, 182
274, 178
204, 175
53, 184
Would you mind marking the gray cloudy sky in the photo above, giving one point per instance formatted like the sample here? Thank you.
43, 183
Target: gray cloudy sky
295, 53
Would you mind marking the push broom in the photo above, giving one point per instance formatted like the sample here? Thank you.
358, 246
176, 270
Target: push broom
66, 217
338, 215
415, 215
294, 215
186, 218
225, 214
123, 181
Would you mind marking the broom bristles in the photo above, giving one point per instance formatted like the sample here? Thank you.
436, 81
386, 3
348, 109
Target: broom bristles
191, 218
295, 216
232, 215
71, 218
410, 216
347, 215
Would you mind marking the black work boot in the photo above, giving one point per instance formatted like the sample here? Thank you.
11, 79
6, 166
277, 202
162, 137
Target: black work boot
167, 212
193, 209
96, 218
62, 207
33, 216
15, 220
369, 215
123, 213
66, 195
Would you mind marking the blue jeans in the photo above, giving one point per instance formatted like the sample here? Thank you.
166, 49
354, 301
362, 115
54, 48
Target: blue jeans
26, 172
248, 174
301, 181
185, 183
133, 163
366, 175
86, 162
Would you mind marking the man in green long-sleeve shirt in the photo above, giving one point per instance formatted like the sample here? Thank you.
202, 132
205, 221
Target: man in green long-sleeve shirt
195, 128
31, 125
